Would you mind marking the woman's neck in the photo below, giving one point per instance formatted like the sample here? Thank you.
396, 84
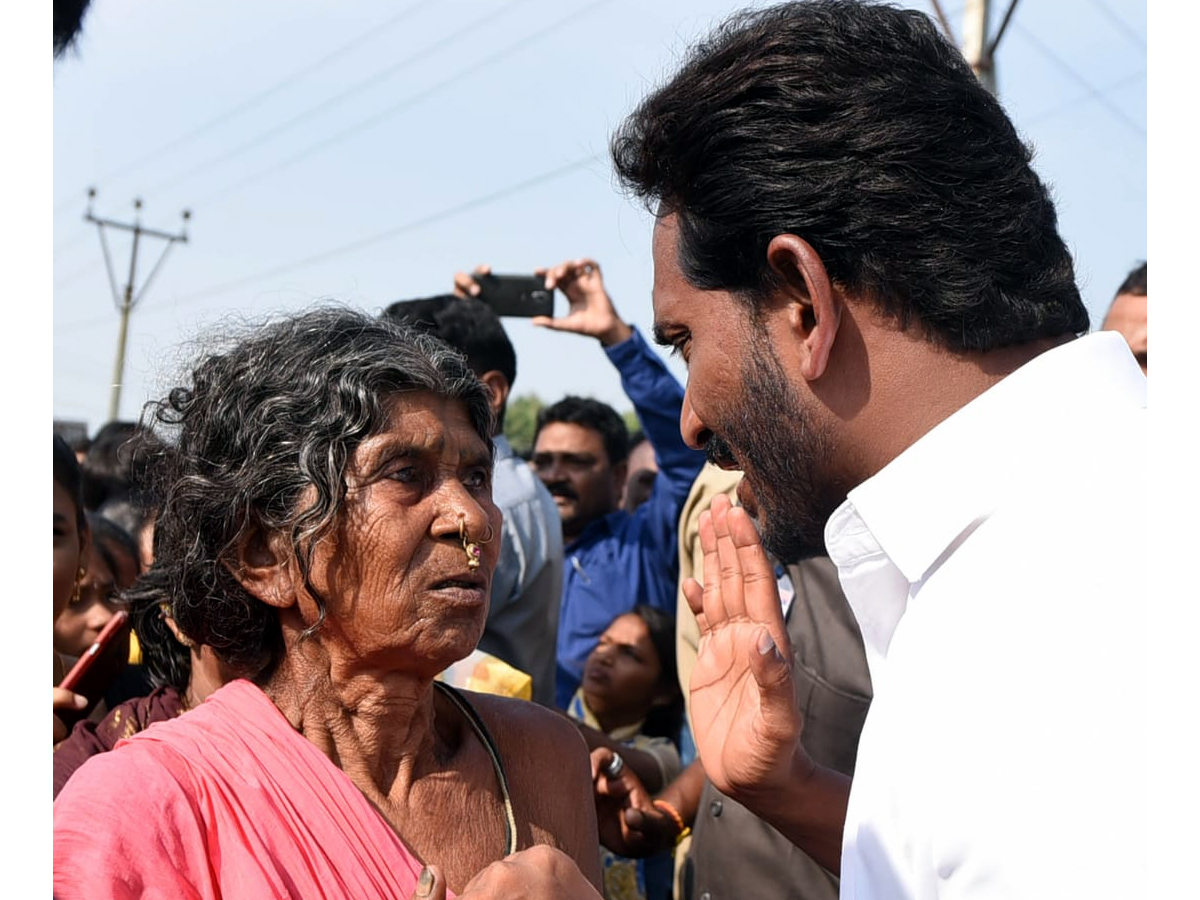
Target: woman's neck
377, 727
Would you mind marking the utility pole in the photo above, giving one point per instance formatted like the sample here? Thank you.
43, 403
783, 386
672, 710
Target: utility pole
975, 43
127, 299
979, 52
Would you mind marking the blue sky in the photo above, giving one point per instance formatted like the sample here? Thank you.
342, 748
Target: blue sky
365, 151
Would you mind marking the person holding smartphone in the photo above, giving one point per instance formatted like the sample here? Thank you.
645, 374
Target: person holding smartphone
616, 559
71, 538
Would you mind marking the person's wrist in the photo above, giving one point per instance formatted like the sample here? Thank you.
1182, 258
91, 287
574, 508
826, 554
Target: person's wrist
797, 782
682, 829
614, 334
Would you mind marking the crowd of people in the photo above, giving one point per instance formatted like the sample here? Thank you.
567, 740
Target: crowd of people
847, 615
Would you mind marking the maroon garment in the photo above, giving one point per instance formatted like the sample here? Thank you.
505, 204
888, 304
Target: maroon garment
89, 738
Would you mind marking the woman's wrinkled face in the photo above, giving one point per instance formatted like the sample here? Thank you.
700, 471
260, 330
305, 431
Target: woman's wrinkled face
68, 547
621, 676
400, 591
81, 622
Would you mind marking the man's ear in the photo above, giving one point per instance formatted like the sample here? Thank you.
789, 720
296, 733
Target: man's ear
816, 305
264, 568
620, 472
499, 387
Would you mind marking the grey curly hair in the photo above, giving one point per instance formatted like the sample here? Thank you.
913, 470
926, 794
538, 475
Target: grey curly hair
278, 413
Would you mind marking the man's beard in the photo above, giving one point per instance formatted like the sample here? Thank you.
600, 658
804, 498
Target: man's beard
786, 461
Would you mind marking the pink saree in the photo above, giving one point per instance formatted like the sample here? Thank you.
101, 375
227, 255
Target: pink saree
227, 801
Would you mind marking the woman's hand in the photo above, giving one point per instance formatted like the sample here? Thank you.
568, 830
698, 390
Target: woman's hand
539, 873
64, 699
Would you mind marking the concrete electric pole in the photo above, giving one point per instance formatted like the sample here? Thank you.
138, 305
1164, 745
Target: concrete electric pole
979, 52
975, 43
128, 298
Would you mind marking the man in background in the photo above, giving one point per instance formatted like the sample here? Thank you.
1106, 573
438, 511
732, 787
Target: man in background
614, 559
1127, 314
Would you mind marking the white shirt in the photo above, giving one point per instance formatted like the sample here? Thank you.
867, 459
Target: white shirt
997, 572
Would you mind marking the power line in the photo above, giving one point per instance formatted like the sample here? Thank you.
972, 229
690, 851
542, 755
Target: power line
1071, 104
458, 208
375, 31
332, 101
520, 44
1121, 24
1092, 92
467, 206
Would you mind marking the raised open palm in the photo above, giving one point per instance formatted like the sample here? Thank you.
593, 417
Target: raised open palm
744, 715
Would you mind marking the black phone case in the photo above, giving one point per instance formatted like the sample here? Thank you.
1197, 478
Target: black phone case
516, 295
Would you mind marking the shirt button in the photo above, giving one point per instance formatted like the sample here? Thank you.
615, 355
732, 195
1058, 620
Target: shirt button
714, 809
706, 896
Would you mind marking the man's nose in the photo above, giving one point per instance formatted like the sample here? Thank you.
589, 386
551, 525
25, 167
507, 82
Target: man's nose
695, 432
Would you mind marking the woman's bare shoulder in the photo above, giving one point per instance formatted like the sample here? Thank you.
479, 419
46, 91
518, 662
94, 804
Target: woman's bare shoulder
522, 721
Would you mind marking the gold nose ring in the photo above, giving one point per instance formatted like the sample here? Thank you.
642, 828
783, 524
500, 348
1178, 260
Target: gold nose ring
473, 549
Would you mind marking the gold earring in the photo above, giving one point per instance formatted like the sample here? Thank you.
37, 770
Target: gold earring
77, 591
473, 549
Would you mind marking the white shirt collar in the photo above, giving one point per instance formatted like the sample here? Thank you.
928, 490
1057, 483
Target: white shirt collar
929, 497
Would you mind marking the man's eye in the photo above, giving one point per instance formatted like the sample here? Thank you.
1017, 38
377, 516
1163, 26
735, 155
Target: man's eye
405, 475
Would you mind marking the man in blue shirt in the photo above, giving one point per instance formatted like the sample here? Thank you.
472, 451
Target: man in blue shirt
614, 559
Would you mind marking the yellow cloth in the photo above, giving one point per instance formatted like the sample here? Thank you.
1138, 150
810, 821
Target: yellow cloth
488, 674
711, 481
135, 649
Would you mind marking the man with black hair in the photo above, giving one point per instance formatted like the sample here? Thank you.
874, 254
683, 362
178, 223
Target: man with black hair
883, 330
1127, 313
614, 559
522, 622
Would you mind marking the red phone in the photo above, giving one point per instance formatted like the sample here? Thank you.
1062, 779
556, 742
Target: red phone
96, 668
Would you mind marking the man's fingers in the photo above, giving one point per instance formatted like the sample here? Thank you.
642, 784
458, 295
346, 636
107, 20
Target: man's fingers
730, 572
693, 593
760, 589
777, 693
713, 603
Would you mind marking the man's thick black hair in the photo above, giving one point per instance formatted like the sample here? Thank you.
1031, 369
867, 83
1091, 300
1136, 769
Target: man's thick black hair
861, 129
1134, 283
593, 414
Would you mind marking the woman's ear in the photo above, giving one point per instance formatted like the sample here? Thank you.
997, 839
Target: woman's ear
817, 304
264, 567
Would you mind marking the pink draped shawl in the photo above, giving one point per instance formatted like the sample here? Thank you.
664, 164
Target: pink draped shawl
226, 801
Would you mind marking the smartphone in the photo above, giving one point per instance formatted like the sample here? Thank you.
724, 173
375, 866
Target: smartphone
94, 671
516, 295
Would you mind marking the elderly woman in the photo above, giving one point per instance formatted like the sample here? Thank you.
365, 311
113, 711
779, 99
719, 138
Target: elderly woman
327, 530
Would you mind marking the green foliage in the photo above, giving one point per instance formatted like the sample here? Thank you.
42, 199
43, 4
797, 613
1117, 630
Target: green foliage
520, 421
631, 421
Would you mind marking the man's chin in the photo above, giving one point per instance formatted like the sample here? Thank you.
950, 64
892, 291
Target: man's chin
746, 498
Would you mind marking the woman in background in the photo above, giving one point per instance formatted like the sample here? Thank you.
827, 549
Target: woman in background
70, 549
630, 703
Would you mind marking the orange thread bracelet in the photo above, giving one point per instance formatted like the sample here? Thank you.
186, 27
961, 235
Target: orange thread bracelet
671, 811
